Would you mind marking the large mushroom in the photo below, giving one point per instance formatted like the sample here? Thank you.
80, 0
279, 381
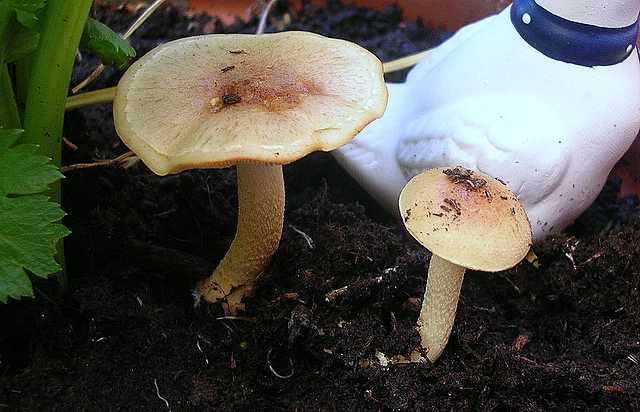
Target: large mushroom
468, 220
255, 101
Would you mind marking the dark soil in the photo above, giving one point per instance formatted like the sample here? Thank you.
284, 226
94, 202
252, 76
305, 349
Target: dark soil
565, 336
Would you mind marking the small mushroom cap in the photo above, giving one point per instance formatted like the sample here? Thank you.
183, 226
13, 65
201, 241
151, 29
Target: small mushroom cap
467, 218
216, 100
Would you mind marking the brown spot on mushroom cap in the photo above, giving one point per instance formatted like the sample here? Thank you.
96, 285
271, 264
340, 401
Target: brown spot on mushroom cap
488, 229
294, 93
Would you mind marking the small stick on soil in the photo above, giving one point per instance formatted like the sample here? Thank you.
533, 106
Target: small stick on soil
304, 235
513, 284
274, 371
289, 296
519, 344
125, 160
166, 402
89, 79
597, 255
236, 318
69, 144
570, 247
612, 389
206, 360
333, 295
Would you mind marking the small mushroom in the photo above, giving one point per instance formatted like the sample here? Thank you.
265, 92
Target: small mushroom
255, 101
468, 220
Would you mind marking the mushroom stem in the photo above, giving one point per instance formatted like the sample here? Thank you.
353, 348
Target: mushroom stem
439, 305
258, 232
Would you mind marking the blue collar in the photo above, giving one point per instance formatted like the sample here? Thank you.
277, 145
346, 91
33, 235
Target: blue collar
572, 42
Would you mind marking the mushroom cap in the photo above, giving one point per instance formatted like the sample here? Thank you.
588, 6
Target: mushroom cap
216, 100
467, 218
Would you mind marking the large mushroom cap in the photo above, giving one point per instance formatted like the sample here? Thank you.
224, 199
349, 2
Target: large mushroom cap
467, 218
216, 100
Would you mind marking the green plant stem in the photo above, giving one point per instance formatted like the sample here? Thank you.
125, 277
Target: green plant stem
9, 117
48, 83
50, 75
90, 98
21, 80
5, 19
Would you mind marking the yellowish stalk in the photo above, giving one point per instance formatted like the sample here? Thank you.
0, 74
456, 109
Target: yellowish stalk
439, 305
258, 232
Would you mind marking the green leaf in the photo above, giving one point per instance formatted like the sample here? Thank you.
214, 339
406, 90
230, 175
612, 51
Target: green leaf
27, 11
29, 222
100, 40
24, 172
21, 43
9, 137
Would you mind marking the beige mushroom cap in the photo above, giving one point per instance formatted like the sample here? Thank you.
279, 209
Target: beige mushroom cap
467, 218
217, 100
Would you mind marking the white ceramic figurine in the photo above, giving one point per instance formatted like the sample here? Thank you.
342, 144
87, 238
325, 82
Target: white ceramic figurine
544, 96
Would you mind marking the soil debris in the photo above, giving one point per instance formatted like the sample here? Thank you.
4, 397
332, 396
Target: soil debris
460, 175
520, 343
612, 389
230, 99
454, 205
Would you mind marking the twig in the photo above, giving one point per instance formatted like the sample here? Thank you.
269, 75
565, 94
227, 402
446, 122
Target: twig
333, 295
136, 24
405, 62
519, 344
143, 17
360, 285
236, 318
69, 144
206, 360
569, 248
263, 17
612, 389
513, 284
304, 235
125, 160
288, 296
166, 402
274, 371
89, 79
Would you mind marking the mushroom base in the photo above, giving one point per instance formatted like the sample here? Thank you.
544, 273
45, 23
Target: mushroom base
439, 305
258, 232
